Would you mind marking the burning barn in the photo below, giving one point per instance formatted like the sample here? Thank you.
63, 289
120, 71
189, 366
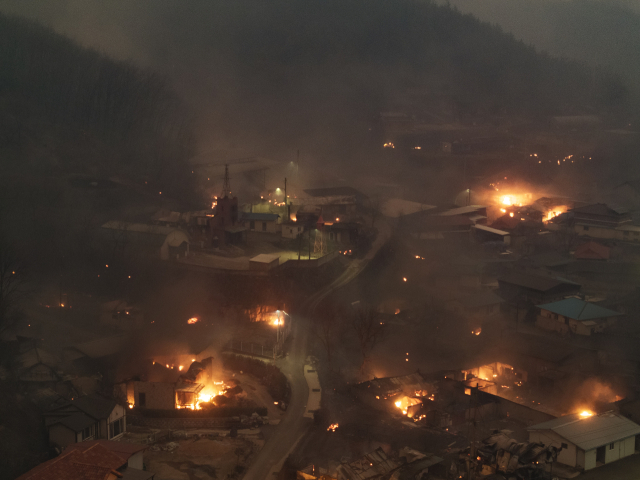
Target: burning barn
405, 394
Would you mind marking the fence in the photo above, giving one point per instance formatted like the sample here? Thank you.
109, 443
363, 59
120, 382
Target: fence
253, 349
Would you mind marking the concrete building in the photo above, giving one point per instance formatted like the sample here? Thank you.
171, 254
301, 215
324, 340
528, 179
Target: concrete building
261, 222
590, 440
575, 315
292, 230
156, 240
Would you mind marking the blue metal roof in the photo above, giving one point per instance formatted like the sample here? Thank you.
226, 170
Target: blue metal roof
578, 309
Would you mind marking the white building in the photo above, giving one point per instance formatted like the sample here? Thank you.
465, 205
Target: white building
591, 440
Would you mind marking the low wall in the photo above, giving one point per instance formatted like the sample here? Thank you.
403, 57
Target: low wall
182, 423
313, 263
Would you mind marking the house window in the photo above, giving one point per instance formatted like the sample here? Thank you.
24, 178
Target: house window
87, 433
116, 428
264, 226
252, 225
611, 445
142, 399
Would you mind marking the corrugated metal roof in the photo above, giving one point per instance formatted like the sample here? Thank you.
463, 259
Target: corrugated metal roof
264, 217
462, 210
484, 228
591, 432
534, 282
578, 309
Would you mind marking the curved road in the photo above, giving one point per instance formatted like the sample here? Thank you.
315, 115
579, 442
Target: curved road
268, 462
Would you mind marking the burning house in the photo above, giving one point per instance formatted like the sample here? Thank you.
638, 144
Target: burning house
195, 388
598, 221
265, 334
404, 394
586, 440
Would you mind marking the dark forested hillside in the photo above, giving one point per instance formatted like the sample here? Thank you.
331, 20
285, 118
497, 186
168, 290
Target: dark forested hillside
74, 109
284, 74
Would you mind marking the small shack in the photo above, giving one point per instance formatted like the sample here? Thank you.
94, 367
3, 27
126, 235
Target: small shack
487, 234
264, 262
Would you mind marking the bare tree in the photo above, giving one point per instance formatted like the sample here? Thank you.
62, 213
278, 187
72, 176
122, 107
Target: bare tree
375, 209
12, 283
326, 328
369, 331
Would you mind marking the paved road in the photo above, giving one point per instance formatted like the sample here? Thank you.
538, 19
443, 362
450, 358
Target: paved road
293, 426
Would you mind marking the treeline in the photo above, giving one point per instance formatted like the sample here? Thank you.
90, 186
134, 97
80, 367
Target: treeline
366, 51
132, 121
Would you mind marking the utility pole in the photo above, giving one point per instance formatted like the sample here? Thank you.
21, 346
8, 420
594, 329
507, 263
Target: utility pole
226, 186
473, 401
286, 203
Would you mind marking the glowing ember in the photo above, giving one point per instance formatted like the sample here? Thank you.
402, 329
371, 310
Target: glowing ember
130, 406
555, 212
405, 402
511, 214
476, 331
193, 320
397, 311
586, 413
389, 145
332, 427
180, 367
507, 200
404, 279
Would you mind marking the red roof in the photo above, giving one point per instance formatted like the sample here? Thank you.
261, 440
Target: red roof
93, 463
123, 449
592, 251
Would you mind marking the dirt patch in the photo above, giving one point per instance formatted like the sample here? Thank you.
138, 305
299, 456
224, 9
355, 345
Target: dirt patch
202, 459
205, 447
